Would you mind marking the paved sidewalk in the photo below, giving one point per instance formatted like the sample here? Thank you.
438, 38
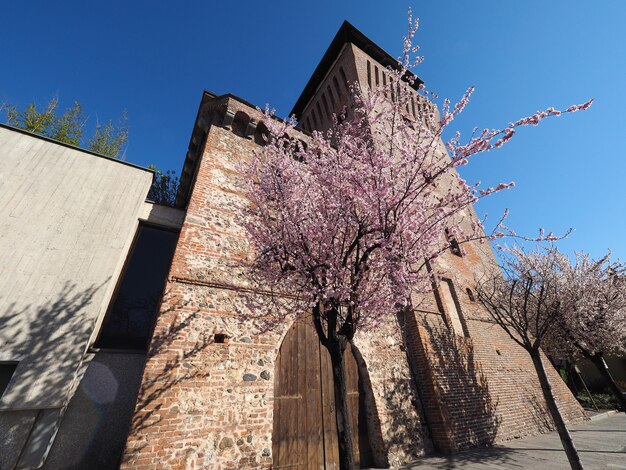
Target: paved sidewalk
601, 444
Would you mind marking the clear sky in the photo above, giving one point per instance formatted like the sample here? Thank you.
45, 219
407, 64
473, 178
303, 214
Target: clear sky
154, 59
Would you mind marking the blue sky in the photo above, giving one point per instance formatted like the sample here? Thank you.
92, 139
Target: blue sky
155, 58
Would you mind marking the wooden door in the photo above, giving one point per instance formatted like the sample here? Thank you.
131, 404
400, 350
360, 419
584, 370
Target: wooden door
305, 426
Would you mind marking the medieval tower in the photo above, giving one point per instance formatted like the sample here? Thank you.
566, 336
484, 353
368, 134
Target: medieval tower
217, 392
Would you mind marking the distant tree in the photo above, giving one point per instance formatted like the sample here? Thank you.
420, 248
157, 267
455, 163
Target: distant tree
67, 128
109, 139
593, 317
525, 301
164, 187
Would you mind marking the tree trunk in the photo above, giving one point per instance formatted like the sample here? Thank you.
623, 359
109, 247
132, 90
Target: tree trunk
336, 347
564, 435
600, 363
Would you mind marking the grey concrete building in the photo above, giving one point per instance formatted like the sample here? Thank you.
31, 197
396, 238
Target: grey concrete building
72, 225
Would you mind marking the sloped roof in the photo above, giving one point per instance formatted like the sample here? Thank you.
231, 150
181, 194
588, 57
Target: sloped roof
346, 34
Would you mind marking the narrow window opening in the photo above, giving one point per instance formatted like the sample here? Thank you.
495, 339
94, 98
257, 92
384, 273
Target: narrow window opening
319, 113
385, 85
376, 74
331, 97
7, 369
369, 74
452, 307
345, 80
314, 117
325, 103
470, 295
337, 88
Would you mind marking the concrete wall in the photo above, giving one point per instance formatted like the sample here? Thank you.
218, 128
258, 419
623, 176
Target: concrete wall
95, 424
67, 219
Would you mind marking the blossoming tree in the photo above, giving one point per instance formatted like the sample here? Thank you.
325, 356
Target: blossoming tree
347, 220
593, 319
527, 303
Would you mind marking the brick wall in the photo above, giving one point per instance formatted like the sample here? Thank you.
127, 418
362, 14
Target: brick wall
482, 388
206, 404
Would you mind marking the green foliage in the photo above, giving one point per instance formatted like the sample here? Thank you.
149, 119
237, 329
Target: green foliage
603, 401
108, 139
164, 187
67, 128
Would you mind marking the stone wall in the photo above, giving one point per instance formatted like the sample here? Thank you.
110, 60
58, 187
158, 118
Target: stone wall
205, 403
207, 393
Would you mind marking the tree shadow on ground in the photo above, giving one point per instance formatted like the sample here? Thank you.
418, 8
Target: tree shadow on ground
493, 457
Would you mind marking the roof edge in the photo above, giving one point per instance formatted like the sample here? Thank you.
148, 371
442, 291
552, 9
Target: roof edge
74, 147
347, 33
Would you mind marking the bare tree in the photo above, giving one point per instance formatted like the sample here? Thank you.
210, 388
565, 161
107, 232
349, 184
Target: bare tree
524, 299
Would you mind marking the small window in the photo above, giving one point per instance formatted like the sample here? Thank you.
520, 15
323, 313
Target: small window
7, 369
455, 248
470, 295
220, 338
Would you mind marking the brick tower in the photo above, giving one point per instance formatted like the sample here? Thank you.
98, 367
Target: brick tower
217, 392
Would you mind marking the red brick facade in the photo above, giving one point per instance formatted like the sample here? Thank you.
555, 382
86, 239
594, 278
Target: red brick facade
207, 395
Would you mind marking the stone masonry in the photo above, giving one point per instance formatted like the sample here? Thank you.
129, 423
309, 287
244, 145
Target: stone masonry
206, 399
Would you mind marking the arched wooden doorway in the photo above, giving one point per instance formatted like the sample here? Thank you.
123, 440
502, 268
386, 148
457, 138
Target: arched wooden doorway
305, 426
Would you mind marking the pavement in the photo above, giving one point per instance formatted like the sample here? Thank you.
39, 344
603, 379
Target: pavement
601, 444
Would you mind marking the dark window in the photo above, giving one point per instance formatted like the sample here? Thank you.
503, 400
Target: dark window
331, 97
7, 369
470, 294
130, 319
455, 248
220, 338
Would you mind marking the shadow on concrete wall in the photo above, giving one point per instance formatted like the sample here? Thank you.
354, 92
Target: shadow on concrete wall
93, 429
49, 340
